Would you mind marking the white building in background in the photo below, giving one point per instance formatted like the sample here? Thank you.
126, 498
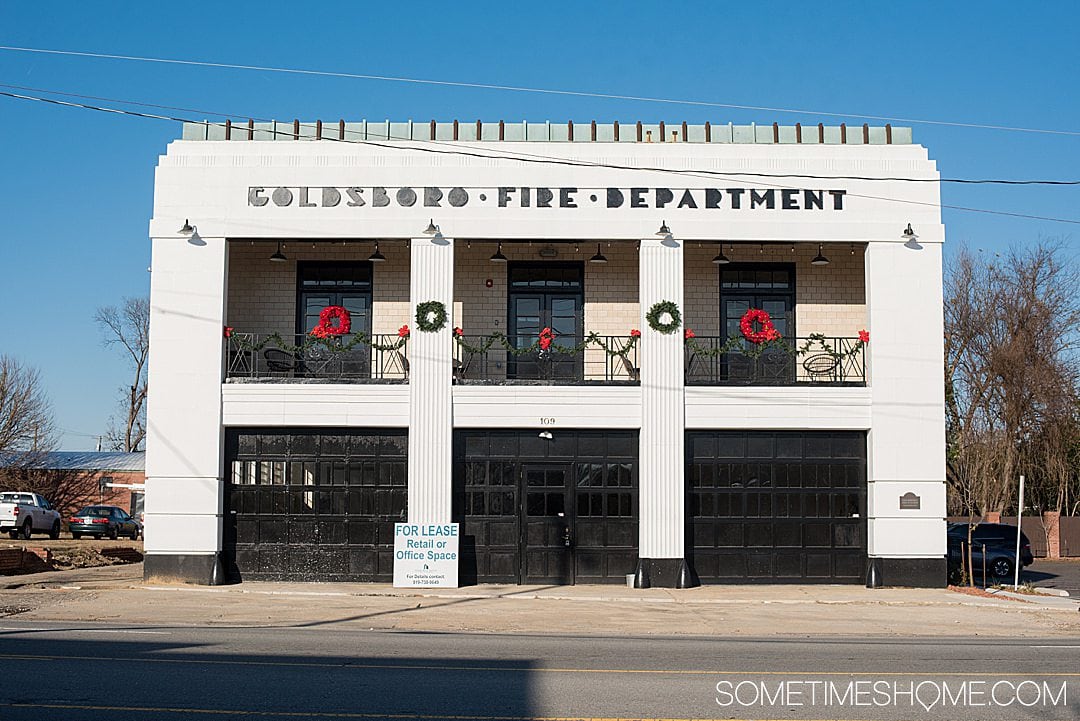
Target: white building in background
568, 448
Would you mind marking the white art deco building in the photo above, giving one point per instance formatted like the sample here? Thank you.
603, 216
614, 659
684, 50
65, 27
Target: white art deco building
694, 354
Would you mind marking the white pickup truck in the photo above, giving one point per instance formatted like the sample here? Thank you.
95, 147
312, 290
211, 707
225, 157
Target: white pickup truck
22, 514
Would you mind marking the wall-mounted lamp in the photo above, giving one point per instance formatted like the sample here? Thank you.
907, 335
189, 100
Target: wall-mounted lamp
911, 238
498, 257
664, 229
599, 257
376, 257
819, 259
187, 228
278, 256
546, 435
720, 258
431, 228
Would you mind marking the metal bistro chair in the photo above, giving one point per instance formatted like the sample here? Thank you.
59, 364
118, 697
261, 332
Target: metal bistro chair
821, 367
279, 361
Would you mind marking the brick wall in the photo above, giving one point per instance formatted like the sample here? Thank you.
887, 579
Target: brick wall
611, 288
262, 294
829, 299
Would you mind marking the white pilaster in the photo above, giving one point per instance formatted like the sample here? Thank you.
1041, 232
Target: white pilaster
905, 356
430, 384
184, 432
662, 458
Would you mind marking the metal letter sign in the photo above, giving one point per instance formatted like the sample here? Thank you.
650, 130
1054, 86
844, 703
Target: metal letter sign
426, 555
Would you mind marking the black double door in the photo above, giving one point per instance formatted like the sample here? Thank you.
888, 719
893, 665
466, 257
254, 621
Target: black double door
555, 521
546, 295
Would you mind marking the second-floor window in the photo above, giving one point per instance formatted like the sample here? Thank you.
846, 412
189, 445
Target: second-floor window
332, 283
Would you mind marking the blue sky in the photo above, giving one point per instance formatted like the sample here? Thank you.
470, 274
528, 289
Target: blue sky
76, 187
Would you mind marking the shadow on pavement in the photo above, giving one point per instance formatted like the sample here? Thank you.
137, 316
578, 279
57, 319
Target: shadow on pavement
105, 678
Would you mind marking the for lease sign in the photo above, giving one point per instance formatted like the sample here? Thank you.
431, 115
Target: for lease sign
426, 555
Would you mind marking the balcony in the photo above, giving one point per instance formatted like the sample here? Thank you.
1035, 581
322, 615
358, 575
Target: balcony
814, 360
499, 359
268, 358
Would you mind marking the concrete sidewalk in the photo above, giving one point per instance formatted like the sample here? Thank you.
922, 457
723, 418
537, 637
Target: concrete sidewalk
117, 594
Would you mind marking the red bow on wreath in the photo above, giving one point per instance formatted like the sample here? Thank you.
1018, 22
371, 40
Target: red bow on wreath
768, 330
327, 328
546, 336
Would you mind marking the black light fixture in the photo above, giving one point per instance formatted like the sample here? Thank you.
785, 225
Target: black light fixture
187, 228
376, 257
431, 228
278, 256
664, 230
911, 238
498, 257
819, 259
720, 258
599, 257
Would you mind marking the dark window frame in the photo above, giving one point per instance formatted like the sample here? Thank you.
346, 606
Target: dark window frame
334, 290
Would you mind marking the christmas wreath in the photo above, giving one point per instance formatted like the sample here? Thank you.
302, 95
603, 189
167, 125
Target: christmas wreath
333, 320
430, 316
768, 331
658, 311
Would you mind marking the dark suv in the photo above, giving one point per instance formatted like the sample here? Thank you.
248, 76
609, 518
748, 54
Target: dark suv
998, 540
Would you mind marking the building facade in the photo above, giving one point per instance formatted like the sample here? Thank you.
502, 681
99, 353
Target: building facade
686, 353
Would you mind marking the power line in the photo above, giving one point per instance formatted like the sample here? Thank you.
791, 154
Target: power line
520, 155
543, 91
542, 160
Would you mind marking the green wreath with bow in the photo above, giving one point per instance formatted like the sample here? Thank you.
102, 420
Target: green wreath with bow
658, 311
430, 316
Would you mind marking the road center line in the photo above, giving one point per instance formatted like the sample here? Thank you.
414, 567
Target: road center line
527, 669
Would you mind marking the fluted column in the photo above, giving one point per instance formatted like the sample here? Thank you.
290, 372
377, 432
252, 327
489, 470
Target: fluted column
662, 459
431, 277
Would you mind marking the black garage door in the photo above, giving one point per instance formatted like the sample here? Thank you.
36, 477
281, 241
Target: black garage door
557, 510
777, 506
313, 505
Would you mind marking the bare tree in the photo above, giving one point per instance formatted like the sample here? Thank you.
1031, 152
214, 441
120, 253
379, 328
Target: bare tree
66, 489
26, 423
1012, 383
127, 327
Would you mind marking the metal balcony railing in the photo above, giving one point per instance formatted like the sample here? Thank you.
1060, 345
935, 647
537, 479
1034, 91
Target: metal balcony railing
813, 360
519, 359
300, 358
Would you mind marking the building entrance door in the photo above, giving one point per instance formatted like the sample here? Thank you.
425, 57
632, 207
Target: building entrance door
767, 287
547, 524
545, 295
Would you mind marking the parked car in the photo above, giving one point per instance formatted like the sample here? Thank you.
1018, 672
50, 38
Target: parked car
998, 540
101, 521
23, 514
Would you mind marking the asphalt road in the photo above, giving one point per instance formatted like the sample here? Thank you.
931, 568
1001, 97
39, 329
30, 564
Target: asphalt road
87, 671
1055, 574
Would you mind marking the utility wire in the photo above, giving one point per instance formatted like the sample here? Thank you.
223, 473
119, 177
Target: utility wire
543, 91
518, 154
549, 161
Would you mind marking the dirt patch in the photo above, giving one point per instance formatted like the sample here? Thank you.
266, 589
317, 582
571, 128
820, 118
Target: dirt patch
65, 559
971, 591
